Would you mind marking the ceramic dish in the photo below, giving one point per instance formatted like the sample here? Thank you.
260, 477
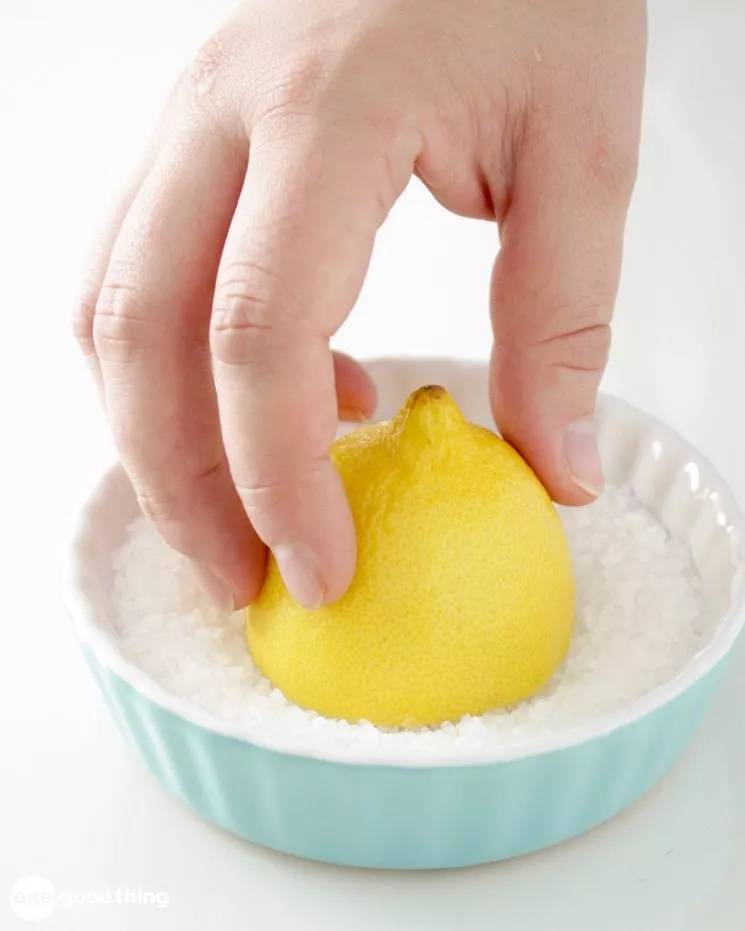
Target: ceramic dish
405, 813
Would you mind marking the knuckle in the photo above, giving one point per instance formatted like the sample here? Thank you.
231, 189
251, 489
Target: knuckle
296, 88
154, 507
272, 488
82, 324
583, 350
253, 311
170, 516
206, 96
172, 506
204, 72
564, 316
119, 324
264, 496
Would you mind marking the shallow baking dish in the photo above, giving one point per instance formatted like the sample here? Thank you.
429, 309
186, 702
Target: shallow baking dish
404, 812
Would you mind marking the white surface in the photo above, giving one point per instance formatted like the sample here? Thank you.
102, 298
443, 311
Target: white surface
79, 84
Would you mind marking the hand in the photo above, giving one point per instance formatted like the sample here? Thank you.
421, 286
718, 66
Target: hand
242, 242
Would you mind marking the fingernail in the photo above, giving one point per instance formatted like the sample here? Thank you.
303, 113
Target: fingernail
582, 457
299, 569
215, 588
352, 414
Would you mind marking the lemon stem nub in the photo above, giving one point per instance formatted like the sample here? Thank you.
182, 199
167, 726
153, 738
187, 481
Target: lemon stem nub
430, 410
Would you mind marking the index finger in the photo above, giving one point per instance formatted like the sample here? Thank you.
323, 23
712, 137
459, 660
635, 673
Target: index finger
293, 263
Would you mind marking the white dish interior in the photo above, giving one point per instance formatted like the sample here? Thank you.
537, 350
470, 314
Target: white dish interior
667, 476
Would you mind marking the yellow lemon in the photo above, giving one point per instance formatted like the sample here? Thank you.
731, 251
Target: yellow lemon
463, 596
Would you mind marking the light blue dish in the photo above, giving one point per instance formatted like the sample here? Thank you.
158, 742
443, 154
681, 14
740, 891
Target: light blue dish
397, 816
409, 813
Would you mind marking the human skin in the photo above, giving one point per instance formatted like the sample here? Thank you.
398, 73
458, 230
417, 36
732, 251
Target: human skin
241, 242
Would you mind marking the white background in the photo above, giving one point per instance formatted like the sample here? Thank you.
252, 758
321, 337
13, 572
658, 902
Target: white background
80, 84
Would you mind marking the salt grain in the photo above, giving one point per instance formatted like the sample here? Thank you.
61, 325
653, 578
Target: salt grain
640, 620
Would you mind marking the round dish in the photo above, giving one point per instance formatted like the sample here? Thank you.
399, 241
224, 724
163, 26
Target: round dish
405, 812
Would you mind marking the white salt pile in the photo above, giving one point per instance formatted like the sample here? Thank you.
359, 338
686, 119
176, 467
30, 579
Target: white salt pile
640, 620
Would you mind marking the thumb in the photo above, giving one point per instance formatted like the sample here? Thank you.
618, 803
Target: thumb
553, 288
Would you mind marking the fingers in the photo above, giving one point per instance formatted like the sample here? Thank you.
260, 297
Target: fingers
553, 289
293, 263
151, 336
356, 397
98, 260
100, 250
